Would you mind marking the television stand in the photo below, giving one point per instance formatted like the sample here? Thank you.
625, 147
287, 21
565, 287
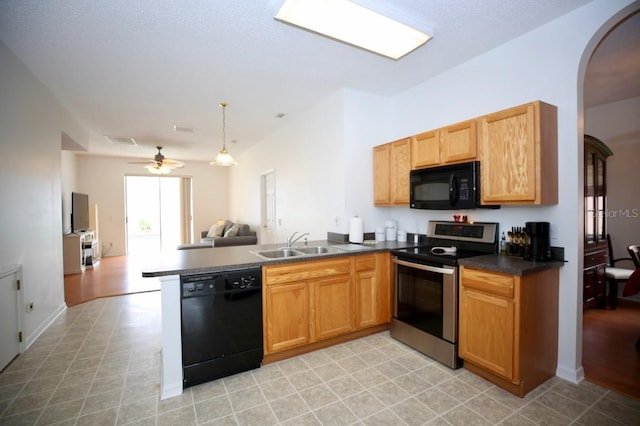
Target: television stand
80, 251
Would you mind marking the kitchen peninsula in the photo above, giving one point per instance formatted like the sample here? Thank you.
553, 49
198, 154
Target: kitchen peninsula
324, 268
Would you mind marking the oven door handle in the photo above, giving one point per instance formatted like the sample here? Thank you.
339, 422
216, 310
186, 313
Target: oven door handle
424, 267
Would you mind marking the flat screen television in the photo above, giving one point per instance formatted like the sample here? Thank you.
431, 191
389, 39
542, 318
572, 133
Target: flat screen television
79, 212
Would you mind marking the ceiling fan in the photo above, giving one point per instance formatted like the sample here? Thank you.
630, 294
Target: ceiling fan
160, 165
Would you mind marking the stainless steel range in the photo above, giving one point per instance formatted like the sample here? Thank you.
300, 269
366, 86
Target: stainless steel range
425, 286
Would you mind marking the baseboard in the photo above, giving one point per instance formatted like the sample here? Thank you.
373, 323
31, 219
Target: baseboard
570, 375
30, 340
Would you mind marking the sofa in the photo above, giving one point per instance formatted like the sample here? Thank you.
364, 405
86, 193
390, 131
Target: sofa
224, 234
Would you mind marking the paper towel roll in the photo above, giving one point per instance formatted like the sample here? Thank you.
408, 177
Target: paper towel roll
356, 230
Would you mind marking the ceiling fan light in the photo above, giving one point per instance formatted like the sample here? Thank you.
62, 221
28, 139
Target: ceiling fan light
158, 170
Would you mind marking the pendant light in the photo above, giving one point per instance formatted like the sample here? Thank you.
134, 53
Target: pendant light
223, 158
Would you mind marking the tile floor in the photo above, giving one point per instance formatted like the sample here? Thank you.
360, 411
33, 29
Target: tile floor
99, 364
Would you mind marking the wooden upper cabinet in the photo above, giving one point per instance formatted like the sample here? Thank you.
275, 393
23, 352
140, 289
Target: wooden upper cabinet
451, 144
425, 149
458, 142
381, 171
518, 151
391, 165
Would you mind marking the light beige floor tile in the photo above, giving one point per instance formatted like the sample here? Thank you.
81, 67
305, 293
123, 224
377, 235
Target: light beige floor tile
186, 399
289, 407
567, 406
69, 393
256, 416
386, 417
212, 409
27, 418
57, 413
345, 386
462, 416
488, 408
100, 418
102, 401
267, 373
413, 412
184, 416
329, 371
541, 414
246, 398
305, 420
239, 381
437, 400
137, 411
363, 404
277, 389
208, 390
318, 396
335, 414
369, 377
304, 380
30, 402
389, 393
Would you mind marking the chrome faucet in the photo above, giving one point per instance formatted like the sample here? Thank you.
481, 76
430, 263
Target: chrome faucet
291, 240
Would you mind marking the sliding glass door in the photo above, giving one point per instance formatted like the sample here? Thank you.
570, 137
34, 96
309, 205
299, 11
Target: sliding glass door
158, 213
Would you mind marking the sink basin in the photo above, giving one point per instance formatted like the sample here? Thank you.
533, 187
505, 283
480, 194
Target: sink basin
317, 250
278, 253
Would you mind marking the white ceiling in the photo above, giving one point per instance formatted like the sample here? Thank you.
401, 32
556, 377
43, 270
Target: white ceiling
137, 68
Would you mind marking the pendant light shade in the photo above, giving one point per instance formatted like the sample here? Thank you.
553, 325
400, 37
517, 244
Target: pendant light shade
223, 158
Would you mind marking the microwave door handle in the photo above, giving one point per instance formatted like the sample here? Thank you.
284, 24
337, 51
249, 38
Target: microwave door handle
453, 190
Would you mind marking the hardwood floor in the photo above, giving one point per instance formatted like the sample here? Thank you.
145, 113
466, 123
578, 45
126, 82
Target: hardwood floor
112, 276
609, 355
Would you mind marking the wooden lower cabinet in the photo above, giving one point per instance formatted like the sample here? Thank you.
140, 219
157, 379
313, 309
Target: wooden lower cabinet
508, 327
288, 308
317, 300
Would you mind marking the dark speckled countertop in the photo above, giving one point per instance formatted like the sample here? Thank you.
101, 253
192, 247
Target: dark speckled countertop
201, 260
508, 265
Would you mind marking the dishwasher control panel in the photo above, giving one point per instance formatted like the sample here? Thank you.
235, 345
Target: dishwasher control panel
197, 285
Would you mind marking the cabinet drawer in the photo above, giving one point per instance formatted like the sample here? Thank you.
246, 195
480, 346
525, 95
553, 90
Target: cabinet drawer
306, 270
595, 259
365, 263
488, 282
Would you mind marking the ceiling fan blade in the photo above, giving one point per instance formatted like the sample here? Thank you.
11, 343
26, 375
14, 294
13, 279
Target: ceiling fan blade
172, 163
142, 162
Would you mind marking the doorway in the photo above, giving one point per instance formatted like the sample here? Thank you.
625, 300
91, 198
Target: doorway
268, 206
157, 213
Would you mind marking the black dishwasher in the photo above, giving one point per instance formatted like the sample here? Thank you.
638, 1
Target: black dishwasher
221, 324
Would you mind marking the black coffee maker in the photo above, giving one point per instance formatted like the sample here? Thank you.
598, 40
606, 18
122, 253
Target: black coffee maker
540, 246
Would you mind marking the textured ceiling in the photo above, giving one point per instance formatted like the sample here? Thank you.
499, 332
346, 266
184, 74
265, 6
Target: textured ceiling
137, 68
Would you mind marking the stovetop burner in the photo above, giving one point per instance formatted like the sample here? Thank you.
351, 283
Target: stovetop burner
449, 241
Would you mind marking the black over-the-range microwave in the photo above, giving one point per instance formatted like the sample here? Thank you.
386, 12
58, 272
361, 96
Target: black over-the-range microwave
451, 187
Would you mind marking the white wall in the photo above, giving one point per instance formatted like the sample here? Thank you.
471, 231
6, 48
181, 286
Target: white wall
103, 179
617, 125
31, 126
547, 64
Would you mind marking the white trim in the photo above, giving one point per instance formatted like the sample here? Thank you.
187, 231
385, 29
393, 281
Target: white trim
28, 341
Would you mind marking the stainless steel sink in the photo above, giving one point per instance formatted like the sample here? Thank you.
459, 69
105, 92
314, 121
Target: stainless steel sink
317, 250
279, 253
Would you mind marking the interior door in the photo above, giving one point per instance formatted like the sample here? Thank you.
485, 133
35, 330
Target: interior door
268, 206
9, 317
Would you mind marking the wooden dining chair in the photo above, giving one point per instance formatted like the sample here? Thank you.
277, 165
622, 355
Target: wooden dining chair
615, 274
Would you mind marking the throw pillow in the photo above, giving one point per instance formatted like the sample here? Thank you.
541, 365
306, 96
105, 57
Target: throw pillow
215, 231
244, 230
227, 225
233, 231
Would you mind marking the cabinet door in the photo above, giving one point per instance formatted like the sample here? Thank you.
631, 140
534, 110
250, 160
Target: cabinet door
366, 291
487, 332
518, 151
508, 146
381, 174
400, 158
425, 149
332, 303
458, 142
286, 316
